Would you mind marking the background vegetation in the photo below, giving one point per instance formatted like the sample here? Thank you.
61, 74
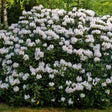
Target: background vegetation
15, 7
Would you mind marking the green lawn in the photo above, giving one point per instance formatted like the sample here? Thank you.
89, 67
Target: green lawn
5, 108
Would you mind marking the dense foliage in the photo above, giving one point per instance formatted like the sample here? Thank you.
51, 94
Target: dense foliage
59, 58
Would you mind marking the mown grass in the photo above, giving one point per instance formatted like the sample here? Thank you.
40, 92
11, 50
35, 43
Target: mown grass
6, 108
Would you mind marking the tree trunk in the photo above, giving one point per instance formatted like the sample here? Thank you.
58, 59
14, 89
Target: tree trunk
0, 12
5, 14
67, 5
78, 4
48, 4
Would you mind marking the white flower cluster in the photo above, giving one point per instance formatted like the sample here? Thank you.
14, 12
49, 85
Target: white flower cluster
38, 54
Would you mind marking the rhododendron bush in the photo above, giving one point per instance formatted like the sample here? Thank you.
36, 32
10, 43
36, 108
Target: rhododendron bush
57, 58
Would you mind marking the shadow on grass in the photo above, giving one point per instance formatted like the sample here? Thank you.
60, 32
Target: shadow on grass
6, 108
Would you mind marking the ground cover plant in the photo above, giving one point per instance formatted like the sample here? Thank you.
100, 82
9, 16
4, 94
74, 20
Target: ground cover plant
57, 58
6, 108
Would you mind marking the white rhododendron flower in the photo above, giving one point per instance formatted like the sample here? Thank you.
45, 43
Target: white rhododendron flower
107, 92
26, 57
16, 89
70, 102
51, 84
108, 67
82, 95
32, 100
26, 97
15, 65
62, 99
38, 76
79, 78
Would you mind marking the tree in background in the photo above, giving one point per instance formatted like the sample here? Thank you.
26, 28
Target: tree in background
102, 7
14, 11
5, 14
68, 4
48, 4
15, 7
0, 12
78, 5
